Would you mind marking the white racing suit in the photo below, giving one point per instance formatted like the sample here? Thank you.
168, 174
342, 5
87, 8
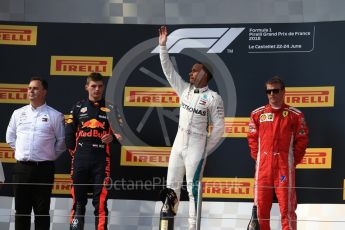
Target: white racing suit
192, 142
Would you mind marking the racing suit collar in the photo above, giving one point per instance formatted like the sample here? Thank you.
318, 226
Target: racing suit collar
200, 90
96, 103
274, 110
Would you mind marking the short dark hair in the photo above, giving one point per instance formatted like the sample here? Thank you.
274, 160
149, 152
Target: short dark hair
275, 80
207, 68
94, 77
43, 82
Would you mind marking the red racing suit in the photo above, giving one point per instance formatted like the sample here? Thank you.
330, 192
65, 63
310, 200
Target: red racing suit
277, 139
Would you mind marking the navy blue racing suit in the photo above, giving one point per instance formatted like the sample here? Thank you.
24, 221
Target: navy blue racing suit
85, 126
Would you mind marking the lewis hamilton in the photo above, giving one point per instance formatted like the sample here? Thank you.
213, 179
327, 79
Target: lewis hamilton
199, 108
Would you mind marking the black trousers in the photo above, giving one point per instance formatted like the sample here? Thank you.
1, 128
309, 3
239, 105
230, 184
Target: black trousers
28, 195
90, 167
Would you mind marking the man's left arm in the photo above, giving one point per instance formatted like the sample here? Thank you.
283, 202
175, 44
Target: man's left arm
59, 130
216, 113
2, 174
301, 138
109, 137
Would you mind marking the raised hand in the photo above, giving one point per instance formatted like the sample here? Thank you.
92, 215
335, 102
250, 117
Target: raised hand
163, 35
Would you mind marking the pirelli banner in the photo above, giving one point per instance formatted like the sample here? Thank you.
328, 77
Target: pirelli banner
144, 108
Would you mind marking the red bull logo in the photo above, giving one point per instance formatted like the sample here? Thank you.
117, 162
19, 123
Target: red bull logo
93, 124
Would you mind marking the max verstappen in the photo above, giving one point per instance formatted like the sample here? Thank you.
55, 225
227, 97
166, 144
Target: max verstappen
88, 135
200, 106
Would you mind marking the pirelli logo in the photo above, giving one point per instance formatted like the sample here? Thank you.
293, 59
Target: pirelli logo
62, 184
242, 188
317, 158
310, 96
80, 65
6, 153
145, 156
236, 126
14, 93
18, 35
151, 97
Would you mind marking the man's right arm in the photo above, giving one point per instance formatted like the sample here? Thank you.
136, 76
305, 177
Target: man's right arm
71, 126
252, 136
2, 175
11, 132
170, 73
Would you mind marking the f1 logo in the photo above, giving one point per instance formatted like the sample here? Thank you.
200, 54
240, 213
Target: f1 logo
216, 39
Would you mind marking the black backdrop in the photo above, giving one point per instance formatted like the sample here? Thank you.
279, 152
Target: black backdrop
320, 62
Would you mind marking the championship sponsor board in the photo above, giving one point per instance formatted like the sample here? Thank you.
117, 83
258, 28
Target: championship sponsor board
151, 97
62, 184
14, 93
286, 49
316, 158
18, 35
322, 96
6, 153
236, 126
145, 156
80, 65
228, 187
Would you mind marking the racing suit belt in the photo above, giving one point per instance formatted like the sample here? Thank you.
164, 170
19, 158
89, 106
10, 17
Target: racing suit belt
188, 131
